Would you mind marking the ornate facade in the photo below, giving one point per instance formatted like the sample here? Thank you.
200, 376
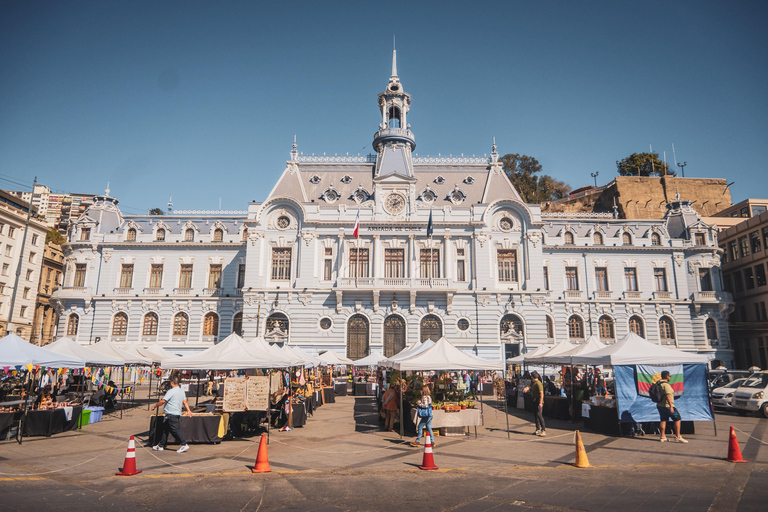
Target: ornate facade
446, 247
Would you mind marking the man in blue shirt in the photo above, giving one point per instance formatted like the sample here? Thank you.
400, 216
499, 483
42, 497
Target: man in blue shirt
173, 400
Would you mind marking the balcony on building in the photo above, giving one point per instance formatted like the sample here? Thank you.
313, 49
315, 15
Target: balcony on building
395, 282
662, 295
212, 291
632, 295
572, 294
712, 296
182, 291
122, 291
602, 295
72, 291
152, 291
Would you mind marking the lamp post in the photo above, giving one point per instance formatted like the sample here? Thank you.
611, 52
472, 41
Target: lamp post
594, 175
682, 168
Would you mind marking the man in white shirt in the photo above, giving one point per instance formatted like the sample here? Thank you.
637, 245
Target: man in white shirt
173, 400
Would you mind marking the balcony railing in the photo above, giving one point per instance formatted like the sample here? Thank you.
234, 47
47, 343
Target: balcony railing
602, 295
182, 291
122, 291
708, 296
393, 282
211, 291
662, 295
77, 291
572, 294
632, 295
152, 291
239, 291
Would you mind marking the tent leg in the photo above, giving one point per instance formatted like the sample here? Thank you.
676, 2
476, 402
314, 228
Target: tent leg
197, 391
506, 413
122, 394
402, 422
149, 393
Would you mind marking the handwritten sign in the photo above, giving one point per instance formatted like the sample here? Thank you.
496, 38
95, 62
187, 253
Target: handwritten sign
257, 394
235, 394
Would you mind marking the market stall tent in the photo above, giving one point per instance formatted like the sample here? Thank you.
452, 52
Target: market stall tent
536, 352
292, 354
632, 349
417, 348
160, 351
231, 353
546, 357
112, 350
14, 352
67, 347
445, 356
591, 345
308, 358
371, 360
331, 357
137, 350
279, 358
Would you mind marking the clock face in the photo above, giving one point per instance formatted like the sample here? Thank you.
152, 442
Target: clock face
394, 203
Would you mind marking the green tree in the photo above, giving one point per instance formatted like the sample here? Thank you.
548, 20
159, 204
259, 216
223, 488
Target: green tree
522, 171
54, 237
156, 211
642, 164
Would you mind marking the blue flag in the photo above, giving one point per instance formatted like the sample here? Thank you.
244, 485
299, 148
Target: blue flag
430, 228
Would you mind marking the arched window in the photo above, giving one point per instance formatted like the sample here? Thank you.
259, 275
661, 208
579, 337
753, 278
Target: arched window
130, 236
511, 327
431, 328
189, 235
218, 235
245, 235
160, 235
394, 335
73, 322
626, 239
211, 324
237, 323
150, 325
636, 326
180, 324
120, 324
606, 328
655, 239
357, 337
569, 238
550, 328
394, 117
666, 329
598, 239
711, 327
576, 327
277, 329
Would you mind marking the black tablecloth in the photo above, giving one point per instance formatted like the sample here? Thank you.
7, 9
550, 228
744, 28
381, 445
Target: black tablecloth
554, 406
299, 415
6, 421
197, 429
330, 394
339, 389
486, 388
361, 389
54, 421
606, 421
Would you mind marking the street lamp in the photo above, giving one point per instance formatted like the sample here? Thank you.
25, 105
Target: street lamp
682, 168
594, 175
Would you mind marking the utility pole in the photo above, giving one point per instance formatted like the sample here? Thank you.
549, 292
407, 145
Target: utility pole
21, 260
594, 175
682, 168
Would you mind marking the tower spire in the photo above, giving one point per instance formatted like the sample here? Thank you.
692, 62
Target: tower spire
294, 150
394, 63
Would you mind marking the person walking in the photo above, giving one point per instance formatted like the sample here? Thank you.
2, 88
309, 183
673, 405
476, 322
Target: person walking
424, 414
173, 400
537, 394
389, 404
667, 410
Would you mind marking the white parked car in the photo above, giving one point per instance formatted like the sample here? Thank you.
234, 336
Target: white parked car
722, 396
752, 395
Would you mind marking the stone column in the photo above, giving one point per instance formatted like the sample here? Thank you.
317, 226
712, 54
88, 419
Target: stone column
412, 256
376, 272
447, 268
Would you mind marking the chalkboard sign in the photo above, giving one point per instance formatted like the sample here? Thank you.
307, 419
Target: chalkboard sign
257, 394
235, 389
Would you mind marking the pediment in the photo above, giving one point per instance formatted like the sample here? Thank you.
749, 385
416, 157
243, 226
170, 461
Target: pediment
394, 178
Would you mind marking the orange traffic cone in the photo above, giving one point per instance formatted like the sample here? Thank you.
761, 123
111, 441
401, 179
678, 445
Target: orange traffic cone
129, 466
428, 462
581, 454
262, 461
734, 452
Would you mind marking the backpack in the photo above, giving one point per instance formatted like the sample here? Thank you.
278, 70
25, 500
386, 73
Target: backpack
655, 392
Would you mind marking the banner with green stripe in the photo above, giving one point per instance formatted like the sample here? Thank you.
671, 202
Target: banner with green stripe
648, 375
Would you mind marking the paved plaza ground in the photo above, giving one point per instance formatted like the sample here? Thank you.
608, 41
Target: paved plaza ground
341, 460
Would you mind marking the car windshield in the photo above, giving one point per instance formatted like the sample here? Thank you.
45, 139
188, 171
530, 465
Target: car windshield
756, 382
735, 384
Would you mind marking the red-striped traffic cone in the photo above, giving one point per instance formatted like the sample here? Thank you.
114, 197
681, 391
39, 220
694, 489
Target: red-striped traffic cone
428, 462
262, 460
734, 452
129, 466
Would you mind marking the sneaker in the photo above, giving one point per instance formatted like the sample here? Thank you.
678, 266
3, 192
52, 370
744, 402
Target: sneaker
415, 443
680, 439
663, 439
183, 449
543, 433
537, 432
158, 448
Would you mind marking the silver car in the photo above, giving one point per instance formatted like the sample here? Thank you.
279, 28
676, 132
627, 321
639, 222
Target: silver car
722, 396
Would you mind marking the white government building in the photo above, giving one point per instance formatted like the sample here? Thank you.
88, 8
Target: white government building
496, 276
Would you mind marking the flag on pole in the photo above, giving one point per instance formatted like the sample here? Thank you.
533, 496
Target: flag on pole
356, 231
429, 224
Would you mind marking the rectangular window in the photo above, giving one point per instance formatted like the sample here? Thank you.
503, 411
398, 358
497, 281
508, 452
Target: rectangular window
630, 279
328, 264
763, 315
725, 254
241, 275
660, 277
23, 311
214, 276
156, 275
507, 265
461, 271
5, 269
757, 312
79, 280
281, 264
429, 263
8, 250
571, 278
754, 242
743, 246
11, 231
728, 283
705, 279
185, 276
394, 263
765, 237
126, 276
701, 239
34, 239
601, 279
749, 278
738, 284
25, 294
760, 275
545, 273
29, 274
733, 253
85, 234
358, 262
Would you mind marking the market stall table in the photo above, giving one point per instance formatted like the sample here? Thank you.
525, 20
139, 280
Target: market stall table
452, 419
340, 389
554, 406
329, 394
52, 421
605, 420
6, 422
200, 428
361, 389
485, 388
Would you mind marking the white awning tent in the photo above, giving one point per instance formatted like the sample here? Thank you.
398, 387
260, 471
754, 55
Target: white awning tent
138, 350
14, 352
279, 358
632, 349
231, 353
112, 350
372, 360
590, 345
160, 351
292, 354
331, 357
416, 348
546, 357
316, 361
445, 356
536, 352
67, 347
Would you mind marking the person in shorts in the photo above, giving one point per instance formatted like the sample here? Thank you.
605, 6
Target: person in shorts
667, 410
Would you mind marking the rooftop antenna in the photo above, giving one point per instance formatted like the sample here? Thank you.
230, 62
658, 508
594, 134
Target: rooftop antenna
674, 156
170, 204
106, 190
677, 194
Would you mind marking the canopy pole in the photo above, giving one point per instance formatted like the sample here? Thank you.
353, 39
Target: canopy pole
197, 391
122, 391
506, 413
269, 403
402, 420
149, 392
711, 407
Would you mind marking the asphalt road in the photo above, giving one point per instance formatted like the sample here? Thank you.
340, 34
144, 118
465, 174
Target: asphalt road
341, 461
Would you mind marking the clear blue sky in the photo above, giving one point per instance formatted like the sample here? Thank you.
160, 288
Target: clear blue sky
201, 99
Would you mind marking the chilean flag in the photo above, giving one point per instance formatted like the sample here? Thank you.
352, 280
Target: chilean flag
356, 231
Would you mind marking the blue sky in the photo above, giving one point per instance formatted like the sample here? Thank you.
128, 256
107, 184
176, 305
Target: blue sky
201, 99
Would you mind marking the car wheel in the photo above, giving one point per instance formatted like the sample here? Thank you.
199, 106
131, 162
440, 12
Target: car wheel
741, 413
764, 410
